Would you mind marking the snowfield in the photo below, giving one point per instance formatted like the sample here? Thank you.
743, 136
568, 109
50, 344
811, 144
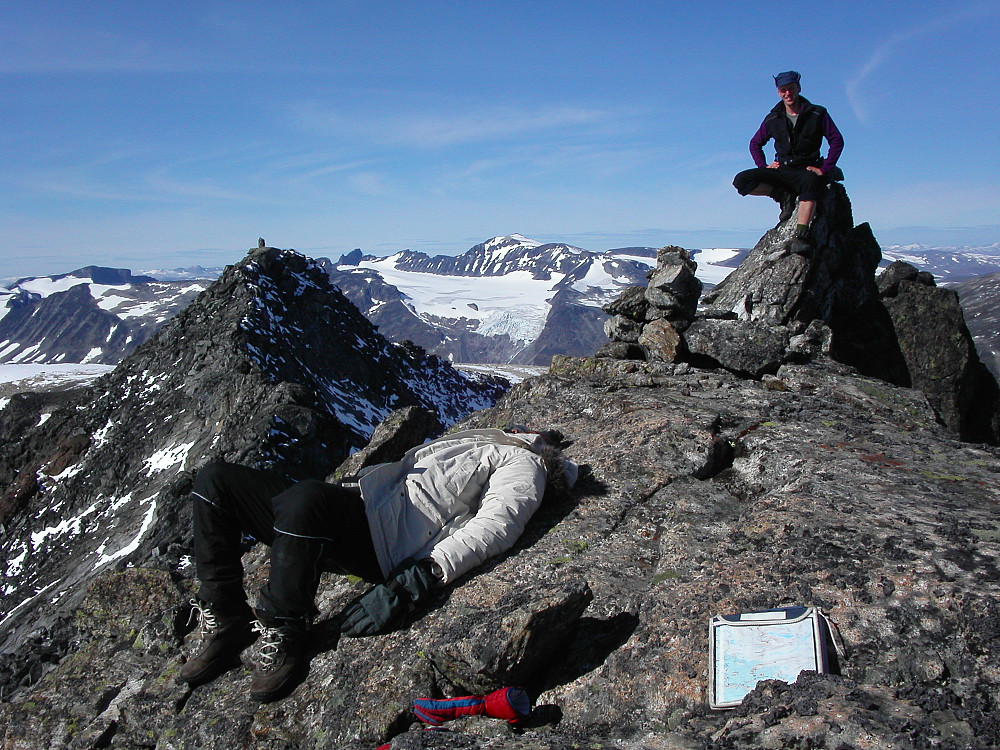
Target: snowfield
501, 304
18, 378
516, 303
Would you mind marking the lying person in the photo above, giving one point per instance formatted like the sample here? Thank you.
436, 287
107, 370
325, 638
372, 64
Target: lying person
408, 526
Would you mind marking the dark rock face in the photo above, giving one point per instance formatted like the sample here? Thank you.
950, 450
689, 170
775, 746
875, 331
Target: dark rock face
270, 367
744, 347
940, 355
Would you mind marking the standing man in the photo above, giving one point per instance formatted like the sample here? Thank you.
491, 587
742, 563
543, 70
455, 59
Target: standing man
798, 128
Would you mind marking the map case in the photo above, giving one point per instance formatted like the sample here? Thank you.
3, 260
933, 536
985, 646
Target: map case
776, 644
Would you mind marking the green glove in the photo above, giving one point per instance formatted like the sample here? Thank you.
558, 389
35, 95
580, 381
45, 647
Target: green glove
381, 606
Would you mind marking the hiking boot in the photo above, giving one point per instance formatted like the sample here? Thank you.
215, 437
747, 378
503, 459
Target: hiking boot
281, 655
800, 247
787, 202
221, 638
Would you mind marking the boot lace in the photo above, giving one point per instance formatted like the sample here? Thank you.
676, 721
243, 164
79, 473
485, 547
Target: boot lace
270, 646
208, 620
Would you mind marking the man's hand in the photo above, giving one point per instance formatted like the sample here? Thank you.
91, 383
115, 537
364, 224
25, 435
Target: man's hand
773, 165
815, 170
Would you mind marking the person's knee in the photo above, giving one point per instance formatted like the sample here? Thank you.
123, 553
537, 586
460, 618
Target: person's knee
812, 187
209, 478
744, 183
296, 510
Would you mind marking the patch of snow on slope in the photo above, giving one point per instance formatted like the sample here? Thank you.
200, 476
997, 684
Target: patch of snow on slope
709, 272
167, 458
65, 526
132, 546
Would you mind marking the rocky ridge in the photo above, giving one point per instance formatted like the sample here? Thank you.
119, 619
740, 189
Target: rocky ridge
705, 489
780, 307
270, 366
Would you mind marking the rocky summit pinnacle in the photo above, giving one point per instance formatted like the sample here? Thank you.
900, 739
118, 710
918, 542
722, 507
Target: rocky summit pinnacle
712, 482
780, 307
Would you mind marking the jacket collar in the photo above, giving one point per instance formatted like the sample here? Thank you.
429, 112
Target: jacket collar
779, 108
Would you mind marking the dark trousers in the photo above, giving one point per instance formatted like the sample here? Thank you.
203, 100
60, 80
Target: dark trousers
798, 181
311, 526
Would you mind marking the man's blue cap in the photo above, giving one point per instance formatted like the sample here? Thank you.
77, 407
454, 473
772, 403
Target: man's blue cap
789, 76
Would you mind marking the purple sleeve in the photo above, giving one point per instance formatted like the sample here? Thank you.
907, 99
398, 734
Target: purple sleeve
757, 146
836, 141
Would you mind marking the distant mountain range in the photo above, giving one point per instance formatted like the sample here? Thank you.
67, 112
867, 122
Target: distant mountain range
509, 300
950, 265
93, 315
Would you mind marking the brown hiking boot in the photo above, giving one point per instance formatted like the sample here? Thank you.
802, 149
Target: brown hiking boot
221, 639
280, 658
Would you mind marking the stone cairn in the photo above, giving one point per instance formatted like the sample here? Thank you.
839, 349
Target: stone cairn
647, 322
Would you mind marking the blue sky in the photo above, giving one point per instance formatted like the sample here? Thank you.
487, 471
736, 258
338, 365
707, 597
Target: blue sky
162, 134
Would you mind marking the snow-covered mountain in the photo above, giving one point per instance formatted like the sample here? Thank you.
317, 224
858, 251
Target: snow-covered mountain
509, 299
93, 315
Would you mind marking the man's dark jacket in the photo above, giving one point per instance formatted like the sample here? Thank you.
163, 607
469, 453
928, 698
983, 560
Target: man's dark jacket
798, 146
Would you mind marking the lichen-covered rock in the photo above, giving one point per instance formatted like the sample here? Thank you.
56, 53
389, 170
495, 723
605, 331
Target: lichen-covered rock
700, 493
743, 347
661, 340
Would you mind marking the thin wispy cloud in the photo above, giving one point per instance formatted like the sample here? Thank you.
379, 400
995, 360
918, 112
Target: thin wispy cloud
897, 43
438, 129
95, 46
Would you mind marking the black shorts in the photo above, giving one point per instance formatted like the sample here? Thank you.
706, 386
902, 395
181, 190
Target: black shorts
798, 181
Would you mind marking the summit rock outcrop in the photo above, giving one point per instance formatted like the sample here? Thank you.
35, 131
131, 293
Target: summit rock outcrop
704, 489
780, 306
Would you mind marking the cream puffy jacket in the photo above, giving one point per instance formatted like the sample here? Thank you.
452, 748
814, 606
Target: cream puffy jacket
458, 500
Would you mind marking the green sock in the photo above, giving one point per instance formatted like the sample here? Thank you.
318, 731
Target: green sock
800, 229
